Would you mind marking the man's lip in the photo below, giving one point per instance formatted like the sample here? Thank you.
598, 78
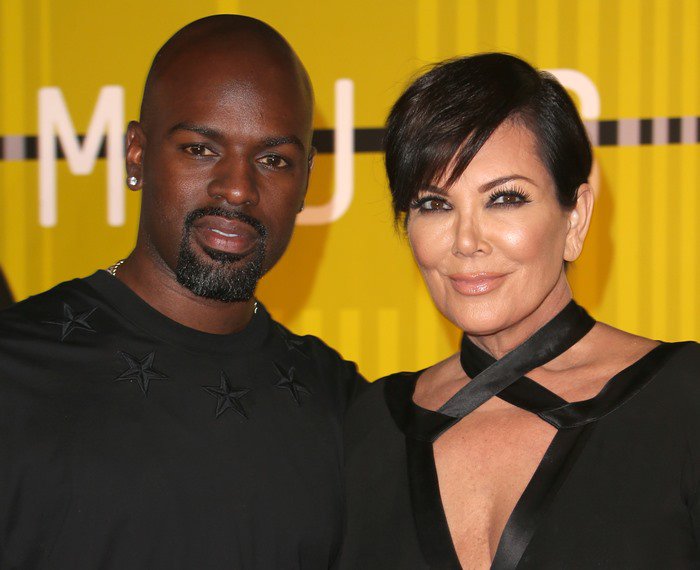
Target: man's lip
478, 283
225, 235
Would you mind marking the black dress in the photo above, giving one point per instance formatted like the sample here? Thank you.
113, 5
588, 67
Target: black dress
131, 442
617, 487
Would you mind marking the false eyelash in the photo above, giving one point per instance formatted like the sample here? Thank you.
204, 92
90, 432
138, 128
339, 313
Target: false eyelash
418, 202
510, 192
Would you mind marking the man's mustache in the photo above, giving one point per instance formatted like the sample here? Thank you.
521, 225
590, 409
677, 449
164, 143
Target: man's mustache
256, 224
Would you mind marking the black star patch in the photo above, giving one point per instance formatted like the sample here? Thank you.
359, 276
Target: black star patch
287, 382
227, 397
292, 344
72, 321
140, 370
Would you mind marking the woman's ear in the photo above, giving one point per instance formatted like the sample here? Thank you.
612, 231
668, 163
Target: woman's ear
579, 221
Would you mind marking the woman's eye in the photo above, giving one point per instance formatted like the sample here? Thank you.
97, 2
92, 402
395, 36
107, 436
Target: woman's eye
508, 198
198, 150
274, 161
433, 205
430, 204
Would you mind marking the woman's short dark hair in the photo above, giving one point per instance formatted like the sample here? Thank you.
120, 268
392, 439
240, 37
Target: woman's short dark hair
446, 115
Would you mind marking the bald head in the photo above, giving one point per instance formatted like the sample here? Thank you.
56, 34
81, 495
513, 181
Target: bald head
225, 134
237, 40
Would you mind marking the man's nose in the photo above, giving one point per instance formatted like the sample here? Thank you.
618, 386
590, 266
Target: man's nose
234, 181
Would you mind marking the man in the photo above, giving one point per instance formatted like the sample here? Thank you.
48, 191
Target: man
156, 417
5, 293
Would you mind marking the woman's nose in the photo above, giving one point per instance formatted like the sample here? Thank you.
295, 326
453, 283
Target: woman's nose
469, 235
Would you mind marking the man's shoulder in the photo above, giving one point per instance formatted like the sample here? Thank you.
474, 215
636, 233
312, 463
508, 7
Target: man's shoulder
38, 310
396, 389
37, 342
311, 350
309, 345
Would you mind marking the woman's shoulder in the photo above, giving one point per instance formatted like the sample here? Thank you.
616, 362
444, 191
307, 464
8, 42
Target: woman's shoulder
617, 346
608, 343
608, 353
682, 361
669, 374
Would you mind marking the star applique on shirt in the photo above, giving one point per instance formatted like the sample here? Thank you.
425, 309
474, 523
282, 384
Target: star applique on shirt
72, 321
292, 344
287, 382
140, 370
227, 397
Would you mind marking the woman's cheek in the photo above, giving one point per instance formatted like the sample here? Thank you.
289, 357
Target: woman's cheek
519, 241
522, 242
429, 236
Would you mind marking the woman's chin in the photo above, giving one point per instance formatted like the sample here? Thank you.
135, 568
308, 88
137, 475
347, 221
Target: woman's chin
479, 323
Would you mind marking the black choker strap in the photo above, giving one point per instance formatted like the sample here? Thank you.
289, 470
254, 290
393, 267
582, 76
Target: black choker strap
490, 376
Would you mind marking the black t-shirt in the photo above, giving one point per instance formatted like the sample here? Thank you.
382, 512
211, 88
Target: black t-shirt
129, 441
621, 492
5, 294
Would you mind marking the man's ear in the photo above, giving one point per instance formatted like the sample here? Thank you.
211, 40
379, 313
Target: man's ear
135, 146
579, 222
312, 156
309, 166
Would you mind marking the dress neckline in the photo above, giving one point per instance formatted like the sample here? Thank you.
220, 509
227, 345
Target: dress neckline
424, 424
574, 421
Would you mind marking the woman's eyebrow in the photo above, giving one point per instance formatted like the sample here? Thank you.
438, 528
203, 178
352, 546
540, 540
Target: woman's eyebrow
435, 190
503, 180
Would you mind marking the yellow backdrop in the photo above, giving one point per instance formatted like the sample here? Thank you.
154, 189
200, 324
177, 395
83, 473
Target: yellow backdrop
351, 280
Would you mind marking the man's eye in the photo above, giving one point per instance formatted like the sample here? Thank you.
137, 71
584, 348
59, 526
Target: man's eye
273, 161
198, 150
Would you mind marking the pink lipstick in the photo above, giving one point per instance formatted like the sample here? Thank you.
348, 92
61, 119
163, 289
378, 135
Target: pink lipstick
476, 283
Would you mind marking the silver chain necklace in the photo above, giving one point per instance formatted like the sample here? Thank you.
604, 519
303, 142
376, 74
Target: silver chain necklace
112, 270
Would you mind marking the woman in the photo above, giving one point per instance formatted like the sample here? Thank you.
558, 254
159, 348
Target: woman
593, 458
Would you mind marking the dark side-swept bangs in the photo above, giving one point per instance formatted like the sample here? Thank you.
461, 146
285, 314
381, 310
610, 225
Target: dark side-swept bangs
446, 115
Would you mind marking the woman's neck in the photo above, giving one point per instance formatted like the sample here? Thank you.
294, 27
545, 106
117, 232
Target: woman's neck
502, 342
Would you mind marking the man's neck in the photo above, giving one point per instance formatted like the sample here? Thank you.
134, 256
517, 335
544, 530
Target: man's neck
156, 285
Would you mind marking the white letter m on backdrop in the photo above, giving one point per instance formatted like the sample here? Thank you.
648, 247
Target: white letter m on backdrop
55, 118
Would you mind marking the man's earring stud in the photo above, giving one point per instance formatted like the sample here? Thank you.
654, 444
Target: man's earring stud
132, 181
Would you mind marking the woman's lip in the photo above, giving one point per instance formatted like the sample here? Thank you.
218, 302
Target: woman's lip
476, 283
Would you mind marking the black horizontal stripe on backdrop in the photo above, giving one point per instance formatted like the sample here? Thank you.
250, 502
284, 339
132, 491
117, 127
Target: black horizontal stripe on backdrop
366, 140
370, 139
